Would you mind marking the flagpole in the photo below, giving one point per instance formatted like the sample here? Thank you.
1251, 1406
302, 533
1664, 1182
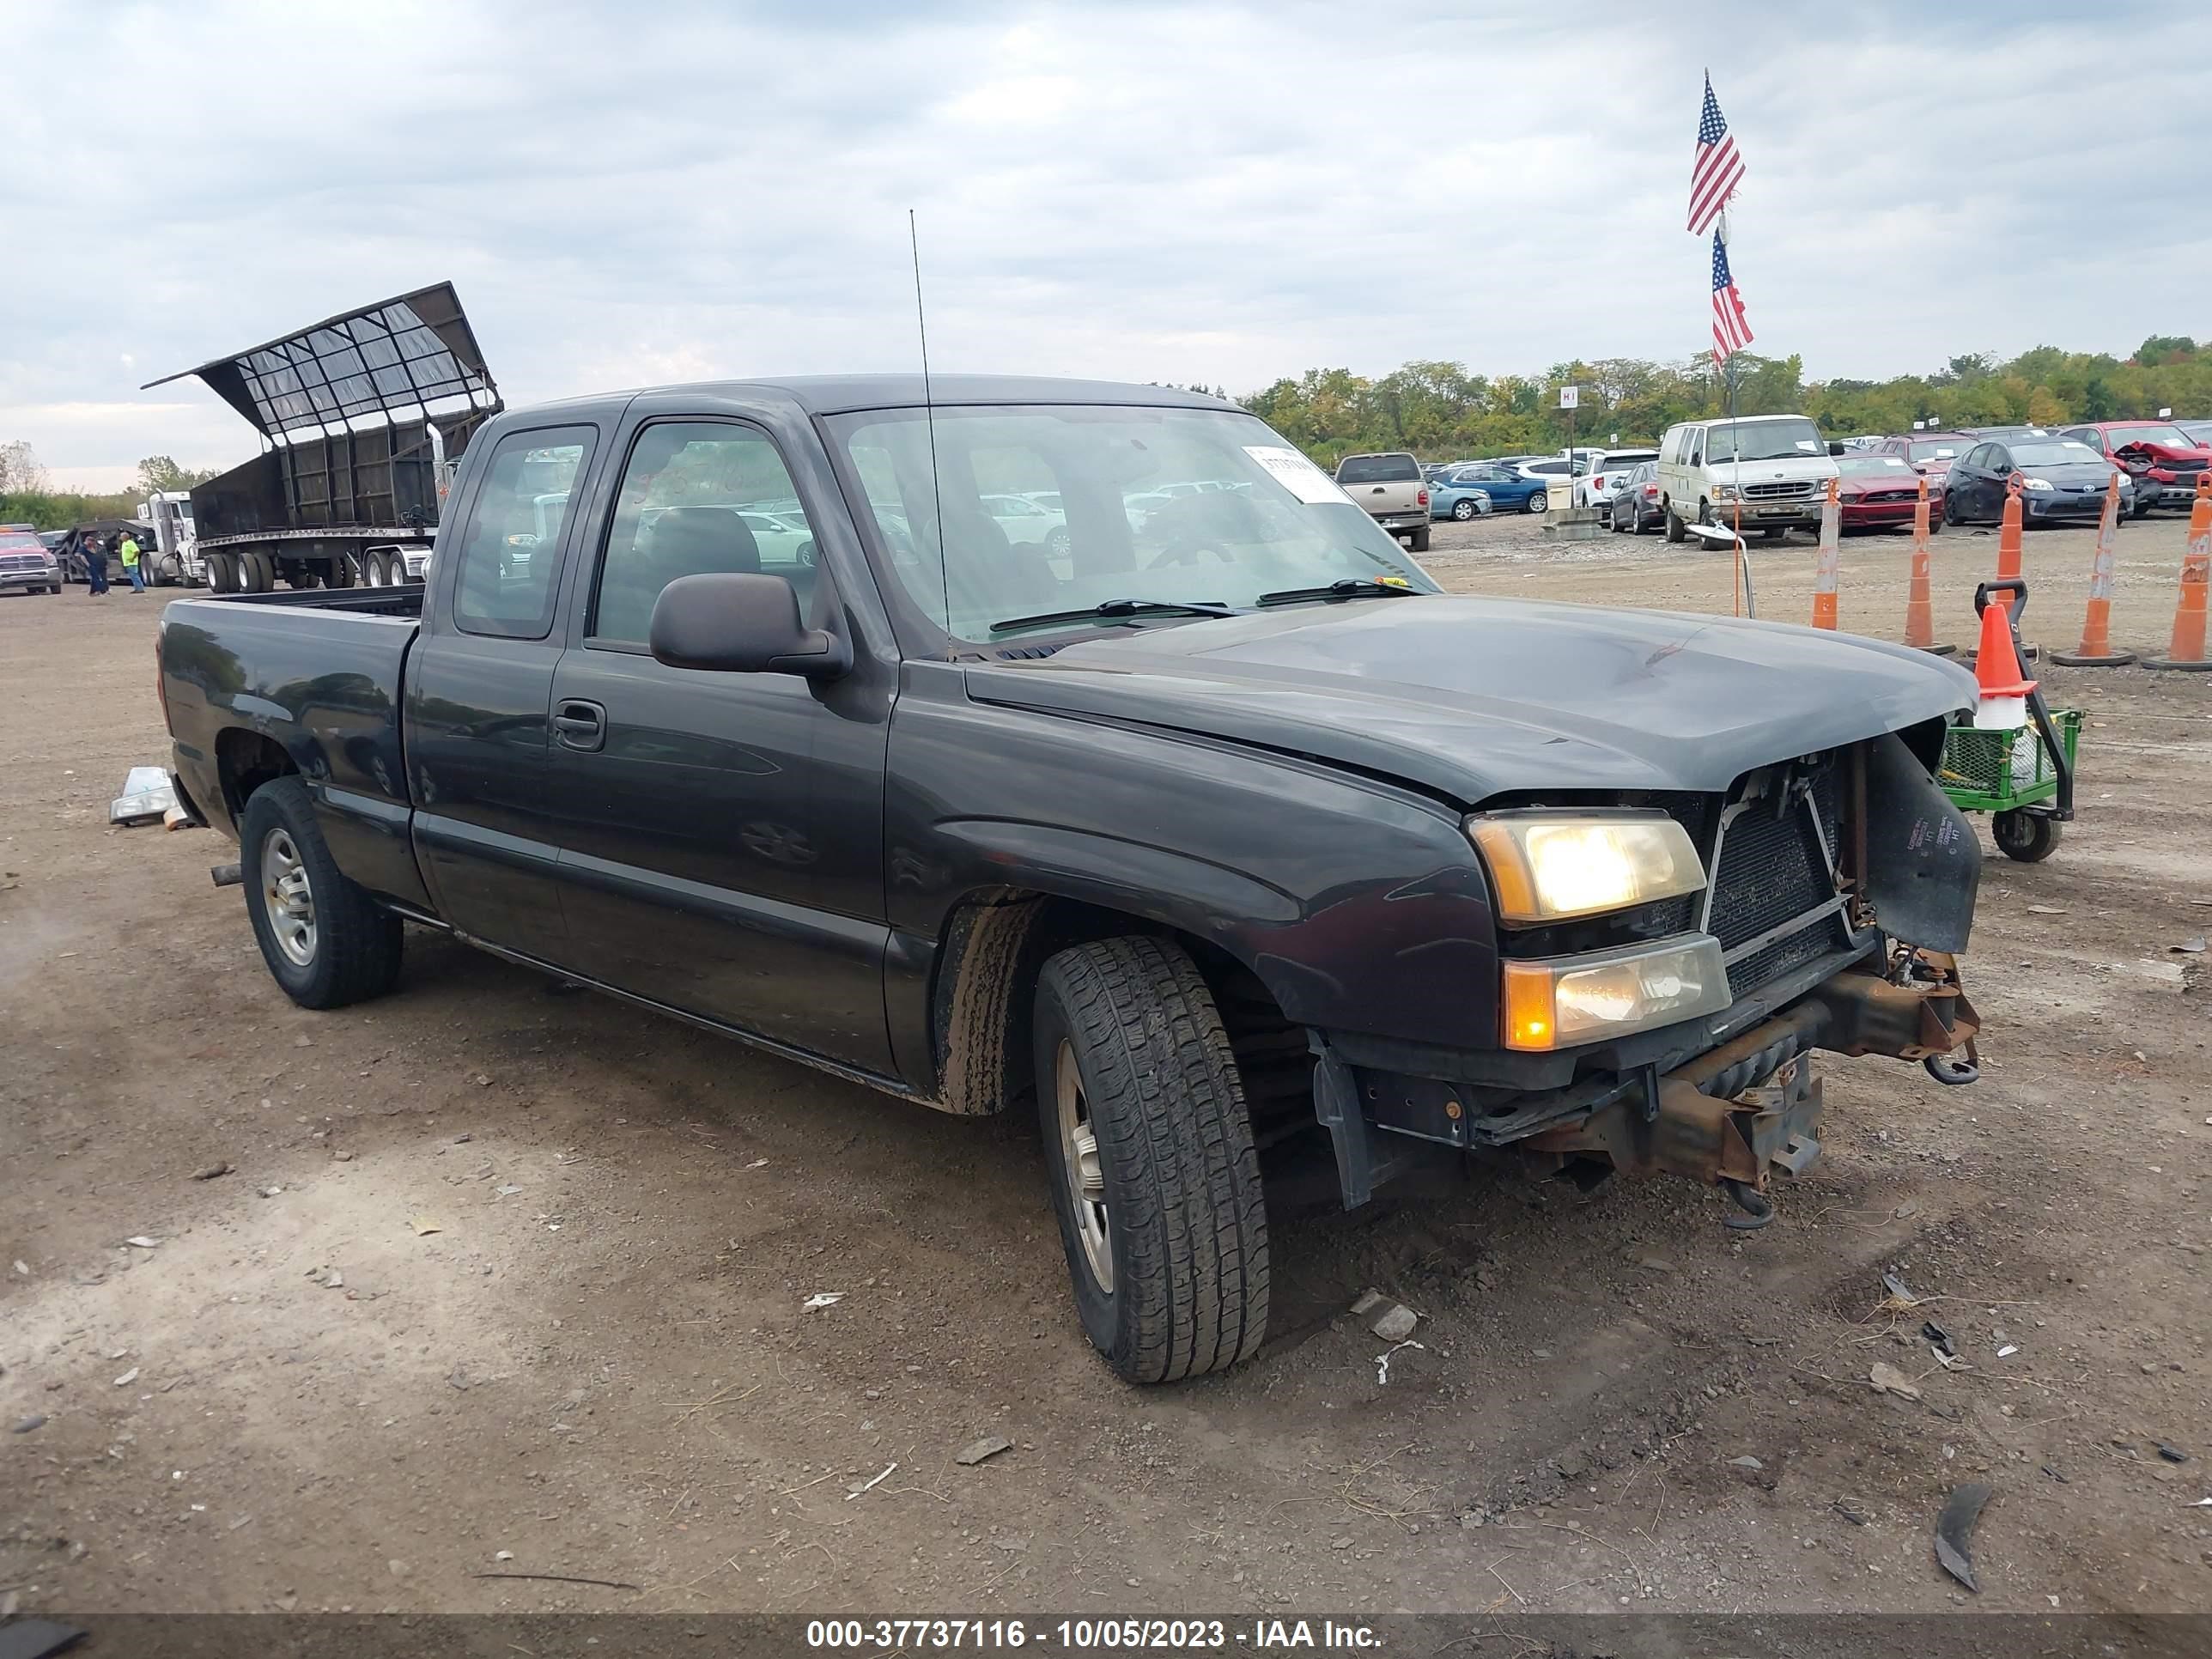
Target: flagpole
1736, 453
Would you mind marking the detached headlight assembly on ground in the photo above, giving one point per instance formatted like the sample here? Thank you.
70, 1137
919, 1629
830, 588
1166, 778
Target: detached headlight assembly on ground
1570, 1001
1553, 866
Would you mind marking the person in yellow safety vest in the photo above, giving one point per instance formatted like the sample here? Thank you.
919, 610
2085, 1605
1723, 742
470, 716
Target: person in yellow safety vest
129, 552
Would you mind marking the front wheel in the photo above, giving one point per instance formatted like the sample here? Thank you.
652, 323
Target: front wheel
1462, 509
2031, 837
1154, 1179
326, 942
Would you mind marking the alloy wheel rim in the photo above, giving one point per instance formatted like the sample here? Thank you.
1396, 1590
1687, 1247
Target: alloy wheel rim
287, 898
1081, 1169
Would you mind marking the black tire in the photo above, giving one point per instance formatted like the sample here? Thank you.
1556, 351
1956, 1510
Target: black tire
340, 574
1463, 509
1539, 503
1774, 532
2030, 837
355, 943
1419, 541
1184, 1221
1675, 532
251, 577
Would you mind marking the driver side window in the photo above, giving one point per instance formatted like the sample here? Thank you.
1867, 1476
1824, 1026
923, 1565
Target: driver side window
698, 498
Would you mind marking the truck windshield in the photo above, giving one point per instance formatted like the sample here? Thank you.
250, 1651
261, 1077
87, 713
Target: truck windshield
1762, 440
1151, 506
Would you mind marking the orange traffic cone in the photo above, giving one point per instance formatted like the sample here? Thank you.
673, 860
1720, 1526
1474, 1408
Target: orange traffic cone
1919, 612
2095, 650
2008, 533
1828, 560
2187, 650
2004, 686
2008, 545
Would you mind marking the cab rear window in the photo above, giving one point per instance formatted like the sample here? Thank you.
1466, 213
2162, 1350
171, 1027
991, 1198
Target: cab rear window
1378, 468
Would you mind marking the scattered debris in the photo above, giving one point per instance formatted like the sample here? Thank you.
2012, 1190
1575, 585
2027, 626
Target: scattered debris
212, 1172
2008, 1351
989, 1446
757, 1163
1382, 1360
423, 1225
2171, 1454
26, 1424
2046, 910
509, 1191
1888, 1379
2052, 1471
2191, 946
270, 1192
1954, 1531
1899, 1293
871, 1484
1746, 1462
147, 795
1847, 1513
139, 1241
458, 1378
1907, 1210
342, 1157
1392, 1320
1939, 1337
503, 1555
22, 1269
335, 1281
559, 1578
822, 1299
127, 1378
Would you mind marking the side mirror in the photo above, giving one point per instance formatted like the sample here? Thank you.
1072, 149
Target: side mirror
741, 624
1835, 449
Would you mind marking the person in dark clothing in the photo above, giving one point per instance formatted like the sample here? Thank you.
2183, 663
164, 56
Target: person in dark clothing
95, 566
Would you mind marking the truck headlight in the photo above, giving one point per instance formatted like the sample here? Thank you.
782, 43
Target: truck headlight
1550, 866
1567, 1000
1723, 492
2035, 483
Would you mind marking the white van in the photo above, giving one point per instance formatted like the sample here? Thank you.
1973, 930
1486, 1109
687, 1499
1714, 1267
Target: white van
1780, 463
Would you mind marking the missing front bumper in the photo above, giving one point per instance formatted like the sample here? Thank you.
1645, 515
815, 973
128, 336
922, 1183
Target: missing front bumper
1738, 1113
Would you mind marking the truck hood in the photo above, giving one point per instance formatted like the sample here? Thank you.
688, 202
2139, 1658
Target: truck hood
1789, 468
1469, 698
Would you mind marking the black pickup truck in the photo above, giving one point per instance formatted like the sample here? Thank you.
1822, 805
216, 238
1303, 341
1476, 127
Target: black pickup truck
1083, 747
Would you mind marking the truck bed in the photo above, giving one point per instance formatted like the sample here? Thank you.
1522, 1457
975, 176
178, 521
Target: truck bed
256, 681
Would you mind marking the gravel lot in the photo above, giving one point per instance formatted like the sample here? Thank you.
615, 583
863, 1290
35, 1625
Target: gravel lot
500, 1270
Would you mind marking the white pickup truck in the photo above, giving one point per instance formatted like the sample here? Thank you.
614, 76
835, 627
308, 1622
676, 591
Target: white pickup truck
1394, 492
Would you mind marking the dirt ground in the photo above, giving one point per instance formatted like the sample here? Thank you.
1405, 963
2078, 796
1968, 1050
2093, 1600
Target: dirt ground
507, 1280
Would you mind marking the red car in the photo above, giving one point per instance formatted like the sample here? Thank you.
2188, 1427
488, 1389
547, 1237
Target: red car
1878, 492
2162, 459
1929, 453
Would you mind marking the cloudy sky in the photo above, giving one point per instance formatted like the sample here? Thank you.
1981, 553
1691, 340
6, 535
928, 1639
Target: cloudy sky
1201, 191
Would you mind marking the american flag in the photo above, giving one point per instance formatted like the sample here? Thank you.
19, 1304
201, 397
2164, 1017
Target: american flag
1718, 169
1731, 329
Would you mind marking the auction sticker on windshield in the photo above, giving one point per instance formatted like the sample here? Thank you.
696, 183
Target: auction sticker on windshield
1297, 474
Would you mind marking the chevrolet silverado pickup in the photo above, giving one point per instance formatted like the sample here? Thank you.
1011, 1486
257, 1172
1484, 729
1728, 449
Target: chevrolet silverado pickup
1217, 833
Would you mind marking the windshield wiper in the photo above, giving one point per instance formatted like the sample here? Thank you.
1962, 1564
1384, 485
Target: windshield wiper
1111, 608
1346, 587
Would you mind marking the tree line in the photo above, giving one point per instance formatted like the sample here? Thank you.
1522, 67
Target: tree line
1440, 410
28, 495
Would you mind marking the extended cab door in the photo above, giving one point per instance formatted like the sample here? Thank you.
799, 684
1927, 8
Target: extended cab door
721, 833
479, 682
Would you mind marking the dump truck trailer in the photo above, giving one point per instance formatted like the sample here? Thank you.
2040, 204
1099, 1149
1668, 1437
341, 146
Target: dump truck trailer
363, 418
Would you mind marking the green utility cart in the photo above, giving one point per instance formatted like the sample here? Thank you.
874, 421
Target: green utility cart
2025, 777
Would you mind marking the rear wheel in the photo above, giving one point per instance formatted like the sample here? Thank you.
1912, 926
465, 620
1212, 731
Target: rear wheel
340, 572
2031, 837
326, 942
1419, 541
1675, 532
1539, 503
250, 577
1154, 1179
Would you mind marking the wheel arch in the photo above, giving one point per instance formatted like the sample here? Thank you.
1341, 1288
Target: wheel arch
995, 943
245, 760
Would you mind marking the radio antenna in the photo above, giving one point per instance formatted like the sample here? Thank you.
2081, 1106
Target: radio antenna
929, 415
